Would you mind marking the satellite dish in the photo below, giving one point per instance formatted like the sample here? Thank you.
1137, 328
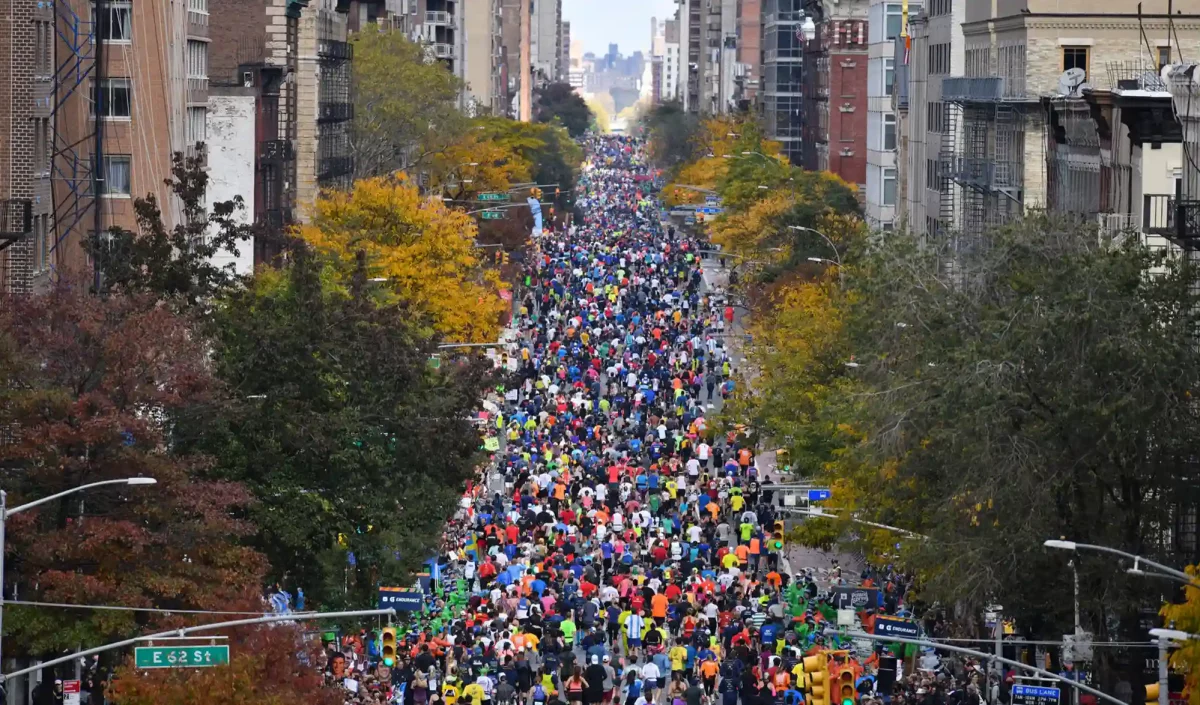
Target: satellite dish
1071, 81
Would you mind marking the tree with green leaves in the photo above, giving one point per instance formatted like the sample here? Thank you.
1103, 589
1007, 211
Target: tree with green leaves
354, 446
558, 102
175, 263
405, 103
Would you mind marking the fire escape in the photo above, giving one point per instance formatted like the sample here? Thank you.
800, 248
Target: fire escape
335, 161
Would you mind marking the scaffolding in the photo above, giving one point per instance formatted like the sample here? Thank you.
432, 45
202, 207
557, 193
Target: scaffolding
982, 162
73, 183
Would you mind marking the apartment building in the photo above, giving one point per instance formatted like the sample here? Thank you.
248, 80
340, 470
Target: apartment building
545, 40
885, 25
995, 151
834, 130
691, 42
749, 49
98, 108
672, 61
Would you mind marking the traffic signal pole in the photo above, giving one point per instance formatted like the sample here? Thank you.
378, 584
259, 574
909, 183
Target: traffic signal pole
984, 655
267, 619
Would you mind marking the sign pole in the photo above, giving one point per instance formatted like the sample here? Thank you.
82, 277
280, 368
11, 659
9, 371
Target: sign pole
984, 655
1163, 690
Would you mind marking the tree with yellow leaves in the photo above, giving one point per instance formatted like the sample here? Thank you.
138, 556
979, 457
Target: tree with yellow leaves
476, 163
1185, 616
424, 250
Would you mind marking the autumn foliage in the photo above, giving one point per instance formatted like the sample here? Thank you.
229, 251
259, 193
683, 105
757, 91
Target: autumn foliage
424, 250
269, 665
92, 387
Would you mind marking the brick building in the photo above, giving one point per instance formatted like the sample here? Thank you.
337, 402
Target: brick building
80, 85
834, 126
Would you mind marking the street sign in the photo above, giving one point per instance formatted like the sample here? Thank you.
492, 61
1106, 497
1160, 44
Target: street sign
710, 210
492, 215
180, 656
818, 495
494, 197
895, 626
400, 599
71, 692
714, 201
1035, 695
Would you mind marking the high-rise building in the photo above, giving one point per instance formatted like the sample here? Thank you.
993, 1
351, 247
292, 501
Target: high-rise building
881, 195
671, 64
783, 27
564, 51
749, 50
835, 121
101, 104
545, 40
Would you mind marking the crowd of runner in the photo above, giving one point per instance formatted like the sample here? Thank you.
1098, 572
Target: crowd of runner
620, 551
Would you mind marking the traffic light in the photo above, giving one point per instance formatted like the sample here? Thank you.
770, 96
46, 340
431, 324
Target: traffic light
777, 529
846, 692
388, 650
557, 192
816, 675
503, 257
1152, 694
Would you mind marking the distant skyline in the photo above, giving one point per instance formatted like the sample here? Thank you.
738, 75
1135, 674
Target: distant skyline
626, 23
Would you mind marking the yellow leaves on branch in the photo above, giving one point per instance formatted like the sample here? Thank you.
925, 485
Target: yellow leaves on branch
476, 164
424, 250
1185, 616
747, 233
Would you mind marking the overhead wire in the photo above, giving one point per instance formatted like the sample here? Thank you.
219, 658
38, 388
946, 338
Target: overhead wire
123, 608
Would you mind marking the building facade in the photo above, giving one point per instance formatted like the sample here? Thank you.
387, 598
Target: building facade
834, 131
749, 50
882, 180
672, 61
98, 109
782, 74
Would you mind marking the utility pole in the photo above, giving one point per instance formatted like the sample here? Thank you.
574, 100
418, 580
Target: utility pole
1163, 691
526, 114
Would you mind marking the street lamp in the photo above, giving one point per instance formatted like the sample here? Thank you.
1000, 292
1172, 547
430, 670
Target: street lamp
5, 513
1163, 570
824, 237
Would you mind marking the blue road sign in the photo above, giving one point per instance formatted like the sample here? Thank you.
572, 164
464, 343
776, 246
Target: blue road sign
818, 495
894, 626
1035, 695
400, 599
710, 210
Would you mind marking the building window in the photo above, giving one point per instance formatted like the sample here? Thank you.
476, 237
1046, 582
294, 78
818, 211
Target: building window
889, 76
889, 132
1164, 57
939, 58
1075, 58
889, 187
47, 236
111, 99
936, 117
114, 24
197, 59
939, 7
196, 130
43, 49
894, 20
198, 6
117, 176
43, 146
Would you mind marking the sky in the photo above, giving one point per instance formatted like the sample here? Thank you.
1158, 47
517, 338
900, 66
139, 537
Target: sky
597, 23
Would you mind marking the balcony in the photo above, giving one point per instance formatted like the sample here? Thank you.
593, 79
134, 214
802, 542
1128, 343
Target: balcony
275, 151
443, 51
335, 112
274, 218
1158, 214
332, 167
438, 17
335, 50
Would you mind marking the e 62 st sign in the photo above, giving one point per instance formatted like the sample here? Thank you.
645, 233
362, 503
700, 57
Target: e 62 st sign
180, 656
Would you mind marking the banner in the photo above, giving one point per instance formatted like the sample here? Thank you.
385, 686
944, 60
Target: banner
535, 207
400, 599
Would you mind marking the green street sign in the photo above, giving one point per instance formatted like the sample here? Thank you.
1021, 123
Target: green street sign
180, 656
493, 196
492, 215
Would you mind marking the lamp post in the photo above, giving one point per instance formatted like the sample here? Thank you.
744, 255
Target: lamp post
1162, 570
5, 513
837, 255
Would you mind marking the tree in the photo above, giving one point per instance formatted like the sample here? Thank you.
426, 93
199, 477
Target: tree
559, 102
475, 164
356, 449
424, 250
174, 263
555, 157
263, 669
93, 389
1030, 383
405, 104
672, 133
